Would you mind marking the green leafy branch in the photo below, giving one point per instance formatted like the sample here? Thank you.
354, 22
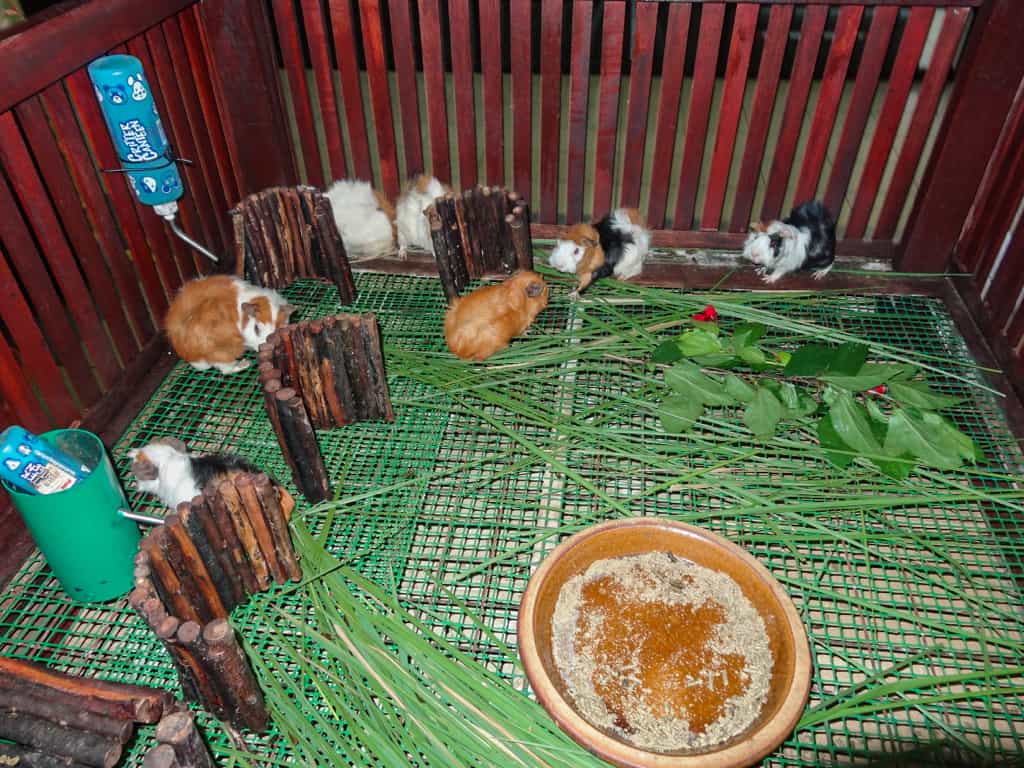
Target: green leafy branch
879, 412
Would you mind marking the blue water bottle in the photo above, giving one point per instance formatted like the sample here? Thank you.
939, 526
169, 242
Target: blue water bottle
128, 107
33, 466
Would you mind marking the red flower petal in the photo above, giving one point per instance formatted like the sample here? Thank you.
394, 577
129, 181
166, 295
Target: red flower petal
881, 389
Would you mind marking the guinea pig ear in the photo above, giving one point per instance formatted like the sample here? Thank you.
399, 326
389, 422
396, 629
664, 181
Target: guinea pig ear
285, 310
175, 443
534, 289
144, 469
248, 309
757, 227
586, 242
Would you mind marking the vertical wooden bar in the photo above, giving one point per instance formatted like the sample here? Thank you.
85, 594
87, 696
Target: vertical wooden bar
316, 36
712, 19
493, 90
608, 105
641, 68
405, 76
883, 20
796, 102
351, 92
295, 67
462, 80
550, 107
579, 97
380, 96
520, 26
900, 80
744, 29
668, 111
15, 393
433, 75
55, 251
924, 115
843, 39
765, 92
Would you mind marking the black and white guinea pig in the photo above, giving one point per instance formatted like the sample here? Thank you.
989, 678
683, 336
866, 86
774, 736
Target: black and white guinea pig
804, 240
616, 245
165, 468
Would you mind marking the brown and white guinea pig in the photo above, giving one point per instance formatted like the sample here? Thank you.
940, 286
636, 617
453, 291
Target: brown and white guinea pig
364, 217
166, 469
213, 320
485, 321
412, 224
616, 245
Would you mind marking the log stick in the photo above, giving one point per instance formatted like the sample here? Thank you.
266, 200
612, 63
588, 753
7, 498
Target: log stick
455, 241
72, 743
191, 515
67, 713
161, 756
441, 255
335, 257
179, 732
176, 598
185, 663
270, 390
307, 201
313, 397
206, 596
228, 660
337, 385
379, 394
238, 226
213, 694
256, 268
300, 440
522, 241
270, 501
233, 545
224, 574
284, 236
235, 505
26, 757
470, 207
263, 542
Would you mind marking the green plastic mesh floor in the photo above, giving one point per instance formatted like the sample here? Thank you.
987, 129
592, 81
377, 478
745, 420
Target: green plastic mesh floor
440, 504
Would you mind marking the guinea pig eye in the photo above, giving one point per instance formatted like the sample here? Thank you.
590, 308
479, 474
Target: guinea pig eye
257, 328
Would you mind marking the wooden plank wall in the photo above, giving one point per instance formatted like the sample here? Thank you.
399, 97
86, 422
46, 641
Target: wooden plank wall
755, 106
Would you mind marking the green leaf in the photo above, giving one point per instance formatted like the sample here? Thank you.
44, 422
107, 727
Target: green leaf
753, 355
707, 325
738, 388
763, 413
688, 379
831, 442
806, 405
963, 444
699, 342
717, 360
918, 394
875, 412
747, 333
909, 434
852, 425
898, 468
809, 360
870, 375
789, 397
848, 359
667, 352
679, 413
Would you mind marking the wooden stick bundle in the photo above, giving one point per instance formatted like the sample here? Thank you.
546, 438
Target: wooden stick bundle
286, 233
178, 731
483, 231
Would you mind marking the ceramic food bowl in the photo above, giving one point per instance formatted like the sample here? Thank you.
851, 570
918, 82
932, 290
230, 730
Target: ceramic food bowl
790, 677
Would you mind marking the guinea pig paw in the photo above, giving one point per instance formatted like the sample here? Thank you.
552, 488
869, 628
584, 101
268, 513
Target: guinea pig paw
819, 274
574, 295
772, 278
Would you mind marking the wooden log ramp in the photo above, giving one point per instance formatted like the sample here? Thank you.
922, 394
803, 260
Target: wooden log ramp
53, 719
483, 231
321, 374
209, 556
283, 234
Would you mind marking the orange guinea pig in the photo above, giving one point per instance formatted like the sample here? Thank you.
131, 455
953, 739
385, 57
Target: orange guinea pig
485, 321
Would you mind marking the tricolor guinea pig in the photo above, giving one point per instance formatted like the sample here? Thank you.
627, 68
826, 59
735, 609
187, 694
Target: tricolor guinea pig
804, 240
616, 245
485, 321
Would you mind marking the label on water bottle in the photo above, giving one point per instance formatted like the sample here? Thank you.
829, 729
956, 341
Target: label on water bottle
46, 478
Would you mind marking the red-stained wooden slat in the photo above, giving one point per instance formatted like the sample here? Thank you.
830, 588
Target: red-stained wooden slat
405, 75
522, 80
291, 53
462, 81
612, 35
17, 403
1001, 289
668, 111
95, 202
46, 153
316, 36
765, 92
433, 75
37, 362
843, 39
45, 224
380, 95
744, 27
351, 91
579, 90
641, 66
883, 20
230, 178
550, 108
493, 91
206, 171
900, 79
924, 115
796, 103
88, 111
31, 269
712, 18
184, 256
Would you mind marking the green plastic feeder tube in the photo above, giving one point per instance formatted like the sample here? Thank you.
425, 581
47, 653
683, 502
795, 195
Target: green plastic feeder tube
81, 531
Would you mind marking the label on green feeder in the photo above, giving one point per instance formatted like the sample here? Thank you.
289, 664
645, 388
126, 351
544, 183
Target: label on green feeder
32, 466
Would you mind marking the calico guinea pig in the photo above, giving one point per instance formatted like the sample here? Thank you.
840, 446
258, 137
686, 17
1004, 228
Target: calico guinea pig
413, 227
804, 240
213, 320
165, 468
364, 217
485, 321
617, 245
